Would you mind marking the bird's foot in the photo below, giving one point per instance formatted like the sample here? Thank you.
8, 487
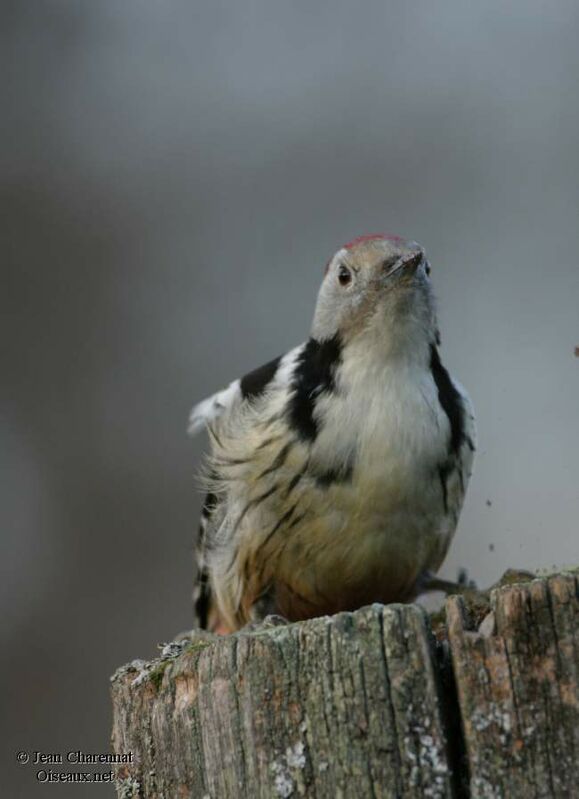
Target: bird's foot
464, 586
271, 620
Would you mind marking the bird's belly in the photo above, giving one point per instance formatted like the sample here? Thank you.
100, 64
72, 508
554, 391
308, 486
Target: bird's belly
362, 547
370, 539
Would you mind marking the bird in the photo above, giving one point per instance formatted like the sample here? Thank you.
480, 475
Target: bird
337, 471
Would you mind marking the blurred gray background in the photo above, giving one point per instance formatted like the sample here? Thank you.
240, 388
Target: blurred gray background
174, 177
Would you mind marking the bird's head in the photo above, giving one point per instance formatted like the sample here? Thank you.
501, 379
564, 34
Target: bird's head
377, 287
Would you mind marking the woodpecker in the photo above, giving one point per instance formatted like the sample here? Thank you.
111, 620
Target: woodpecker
337, 471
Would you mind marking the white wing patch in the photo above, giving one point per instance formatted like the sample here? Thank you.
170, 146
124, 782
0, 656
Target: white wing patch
210, 409
213, 407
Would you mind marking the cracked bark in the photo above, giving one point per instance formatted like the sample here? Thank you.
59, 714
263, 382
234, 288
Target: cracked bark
365, 704
518, 689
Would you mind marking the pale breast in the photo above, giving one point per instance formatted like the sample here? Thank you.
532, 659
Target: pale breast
373, 534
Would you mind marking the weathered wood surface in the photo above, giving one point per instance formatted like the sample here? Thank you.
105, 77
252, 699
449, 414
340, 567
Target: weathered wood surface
364, 704
518, 689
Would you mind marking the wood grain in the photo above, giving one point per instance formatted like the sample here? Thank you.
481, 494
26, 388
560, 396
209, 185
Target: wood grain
362, 704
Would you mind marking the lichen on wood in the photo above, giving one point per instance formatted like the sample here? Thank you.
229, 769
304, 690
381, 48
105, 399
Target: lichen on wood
517, 681
335, 706
370, 703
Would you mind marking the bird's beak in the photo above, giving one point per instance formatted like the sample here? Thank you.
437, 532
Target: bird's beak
408, 264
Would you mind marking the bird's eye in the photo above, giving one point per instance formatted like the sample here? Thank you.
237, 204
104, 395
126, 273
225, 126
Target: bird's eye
344, 276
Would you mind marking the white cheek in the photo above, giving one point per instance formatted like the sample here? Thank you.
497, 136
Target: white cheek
356, 297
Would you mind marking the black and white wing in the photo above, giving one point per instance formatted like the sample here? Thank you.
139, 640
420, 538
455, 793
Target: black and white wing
456, 467
243, 390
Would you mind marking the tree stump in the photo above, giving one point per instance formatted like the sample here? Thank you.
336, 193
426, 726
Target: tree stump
373, 703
